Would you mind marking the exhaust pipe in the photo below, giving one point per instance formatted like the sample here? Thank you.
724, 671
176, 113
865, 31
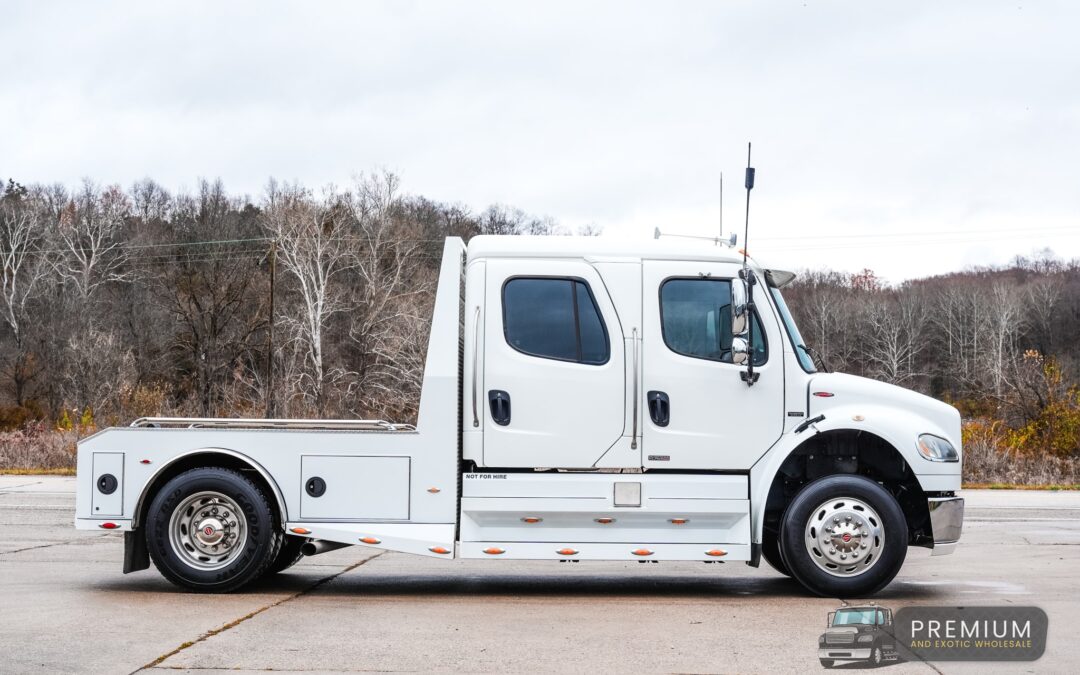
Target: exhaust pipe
317, 546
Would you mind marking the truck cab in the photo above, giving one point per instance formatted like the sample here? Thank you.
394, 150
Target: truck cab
858, 635
583, 399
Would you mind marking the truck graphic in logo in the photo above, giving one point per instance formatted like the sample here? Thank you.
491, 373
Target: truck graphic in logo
859, 635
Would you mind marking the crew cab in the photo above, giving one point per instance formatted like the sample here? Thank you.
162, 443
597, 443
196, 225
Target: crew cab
583, 399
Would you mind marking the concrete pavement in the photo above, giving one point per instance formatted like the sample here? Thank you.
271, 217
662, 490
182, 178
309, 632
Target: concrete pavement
66, 607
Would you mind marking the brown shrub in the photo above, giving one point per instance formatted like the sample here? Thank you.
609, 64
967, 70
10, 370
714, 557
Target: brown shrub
36, 448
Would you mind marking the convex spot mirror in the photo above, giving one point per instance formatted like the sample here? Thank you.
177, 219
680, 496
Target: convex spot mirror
738, 309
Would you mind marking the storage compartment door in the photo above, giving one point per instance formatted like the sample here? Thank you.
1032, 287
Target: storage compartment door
354, 488
108, 488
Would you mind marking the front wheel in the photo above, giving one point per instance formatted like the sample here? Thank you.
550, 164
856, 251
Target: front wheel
212, 530
844, 536
827, 663
876, 657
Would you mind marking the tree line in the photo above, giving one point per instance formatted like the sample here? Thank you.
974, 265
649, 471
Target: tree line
119, 303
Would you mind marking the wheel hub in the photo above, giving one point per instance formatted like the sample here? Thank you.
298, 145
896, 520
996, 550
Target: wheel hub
207, 530
844, 536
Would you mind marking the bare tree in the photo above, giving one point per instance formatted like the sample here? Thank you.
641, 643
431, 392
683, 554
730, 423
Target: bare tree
88, 232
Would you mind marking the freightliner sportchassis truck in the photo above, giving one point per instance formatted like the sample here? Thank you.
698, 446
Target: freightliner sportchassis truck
582, 399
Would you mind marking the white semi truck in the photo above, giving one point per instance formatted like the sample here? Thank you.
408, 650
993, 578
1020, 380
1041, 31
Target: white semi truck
583, 399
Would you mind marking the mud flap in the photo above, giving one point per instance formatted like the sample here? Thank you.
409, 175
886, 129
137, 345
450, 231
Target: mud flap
136, 556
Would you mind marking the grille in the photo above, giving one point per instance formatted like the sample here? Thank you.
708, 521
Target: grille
839, 638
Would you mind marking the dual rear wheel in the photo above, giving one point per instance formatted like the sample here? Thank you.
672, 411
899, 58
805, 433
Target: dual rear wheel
214, 530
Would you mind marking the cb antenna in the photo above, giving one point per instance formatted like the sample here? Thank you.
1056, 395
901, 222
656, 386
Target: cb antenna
749, 187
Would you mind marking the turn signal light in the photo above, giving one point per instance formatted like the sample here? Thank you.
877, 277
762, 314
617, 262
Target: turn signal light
716, 552
605, 521
642, 552
300, 530
567, 551
531, 519
678, 521
108, 526
439, 549
370, 540
494, 551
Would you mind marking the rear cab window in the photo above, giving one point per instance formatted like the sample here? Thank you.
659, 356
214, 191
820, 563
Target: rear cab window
554, 318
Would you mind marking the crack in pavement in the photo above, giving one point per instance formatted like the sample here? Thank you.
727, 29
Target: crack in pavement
55, 543
156, 663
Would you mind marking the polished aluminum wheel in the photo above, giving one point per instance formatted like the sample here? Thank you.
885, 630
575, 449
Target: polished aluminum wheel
207, 530
845, 537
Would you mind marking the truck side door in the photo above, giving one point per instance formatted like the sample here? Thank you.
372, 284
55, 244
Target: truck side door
554, 370
697, 411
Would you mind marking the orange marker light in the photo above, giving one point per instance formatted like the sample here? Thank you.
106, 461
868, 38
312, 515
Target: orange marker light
438, 549
642, 552
531, 519
434, 490
679, 521
300, 530
716, 552
494, 551
370, 540
567, 551
605, 521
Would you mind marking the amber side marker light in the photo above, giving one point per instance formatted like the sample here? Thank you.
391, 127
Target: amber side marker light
370, 540
300, 530
434, 490
642, 552
567, 551
605, 521
531, 519
108, 526
494, 551
439, 549
678, 521
716, 553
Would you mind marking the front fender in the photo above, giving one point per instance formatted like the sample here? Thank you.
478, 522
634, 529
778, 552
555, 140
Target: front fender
899, 428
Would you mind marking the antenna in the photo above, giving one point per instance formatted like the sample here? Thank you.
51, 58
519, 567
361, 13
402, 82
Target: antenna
749, 187
721, 203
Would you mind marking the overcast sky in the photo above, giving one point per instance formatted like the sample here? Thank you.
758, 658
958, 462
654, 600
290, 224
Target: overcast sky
911, 138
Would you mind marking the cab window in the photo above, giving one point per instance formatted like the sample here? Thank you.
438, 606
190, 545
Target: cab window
696, 320
554, 318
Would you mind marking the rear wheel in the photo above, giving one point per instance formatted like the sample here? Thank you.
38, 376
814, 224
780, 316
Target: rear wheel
288, 556
844, 536
212, 530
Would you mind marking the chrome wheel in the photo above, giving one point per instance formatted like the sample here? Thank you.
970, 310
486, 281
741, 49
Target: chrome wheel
207, 530
845, 537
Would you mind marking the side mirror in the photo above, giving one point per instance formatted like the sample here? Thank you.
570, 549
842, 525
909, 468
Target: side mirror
739, 350
738, 308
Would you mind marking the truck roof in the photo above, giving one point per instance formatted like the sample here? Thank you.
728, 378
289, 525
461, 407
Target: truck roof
525, 246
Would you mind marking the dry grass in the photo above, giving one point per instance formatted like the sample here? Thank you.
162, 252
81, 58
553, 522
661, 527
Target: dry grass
988, 461
36, 450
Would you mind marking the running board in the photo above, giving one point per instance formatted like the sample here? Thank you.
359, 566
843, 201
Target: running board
605, 551
436, 541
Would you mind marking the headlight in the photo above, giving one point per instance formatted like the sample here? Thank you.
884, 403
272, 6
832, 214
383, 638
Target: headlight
937, 449
821, 639
866, 638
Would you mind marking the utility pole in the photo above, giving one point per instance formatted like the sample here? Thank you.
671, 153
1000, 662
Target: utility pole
270, 335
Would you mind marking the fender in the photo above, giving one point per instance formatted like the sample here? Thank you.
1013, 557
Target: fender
897, 427
278, 498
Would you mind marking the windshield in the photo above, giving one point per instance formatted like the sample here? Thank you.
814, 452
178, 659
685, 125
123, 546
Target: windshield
855, 617
805, 361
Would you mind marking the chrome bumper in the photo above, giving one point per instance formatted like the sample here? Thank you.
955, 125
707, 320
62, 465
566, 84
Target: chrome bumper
838, 652
946, 522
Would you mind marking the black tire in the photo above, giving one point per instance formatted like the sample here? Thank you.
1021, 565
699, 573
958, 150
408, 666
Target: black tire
798, 559
257, 551
770, 550
827, 663
876, 657
288, 556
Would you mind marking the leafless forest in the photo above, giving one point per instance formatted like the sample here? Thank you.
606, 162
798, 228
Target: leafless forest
120, 303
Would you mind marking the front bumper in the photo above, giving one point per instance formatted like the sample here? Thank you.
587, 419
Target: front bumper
946, 522
838, 652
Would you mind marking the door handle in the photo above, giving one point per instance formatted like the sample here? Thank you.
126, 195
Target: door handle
659, 408
499, 403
